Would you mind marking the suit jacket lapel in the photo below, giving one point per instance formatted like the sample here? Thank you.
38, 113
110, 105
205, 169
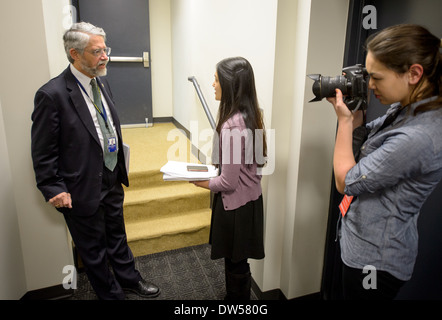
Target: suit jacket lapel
80, 105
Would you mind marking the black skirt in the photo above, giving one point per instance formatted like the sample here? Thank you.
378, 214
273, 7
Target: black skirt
237, 234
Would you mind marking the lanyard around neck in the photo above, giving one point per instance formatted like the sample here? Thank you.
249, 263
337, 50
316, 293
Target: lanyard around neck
103, 113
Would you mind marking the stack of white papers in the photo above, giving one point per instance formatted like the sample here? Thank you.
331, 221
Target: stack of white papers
178, 171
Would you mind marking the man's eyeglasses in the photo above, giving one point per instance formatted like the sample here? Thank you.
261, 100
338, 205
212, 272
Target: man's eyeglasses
99, 52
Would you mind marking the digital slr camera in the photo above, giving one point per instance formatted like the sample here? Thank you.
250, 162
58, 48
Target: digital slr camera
353, 84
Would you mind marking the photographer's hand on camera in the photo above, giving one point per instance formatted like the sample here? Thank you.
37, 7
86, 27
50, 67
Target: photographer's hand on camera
344, 113
341, 109
343, 158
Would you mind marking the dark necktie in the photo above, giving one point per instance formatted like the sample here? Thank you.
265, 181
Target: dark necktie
110, 157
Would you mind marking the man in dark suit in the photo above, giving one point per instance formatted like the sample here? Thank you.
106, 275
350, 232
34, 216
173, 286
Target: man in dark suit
77, 151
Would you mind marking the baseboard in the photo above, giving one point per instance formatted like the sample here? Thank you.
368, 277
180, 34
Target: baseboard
181, 127
275, 294
195, 151
149, 124
312, 296
50, 293
136, 125
162, 119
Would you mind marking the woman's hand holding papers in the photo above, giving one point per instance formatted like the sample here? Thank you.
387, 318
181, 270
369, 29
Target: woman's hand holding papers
201, 184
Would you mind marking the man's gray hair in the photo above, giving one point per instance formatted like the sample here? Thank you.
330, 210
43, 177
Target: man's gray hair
77, 37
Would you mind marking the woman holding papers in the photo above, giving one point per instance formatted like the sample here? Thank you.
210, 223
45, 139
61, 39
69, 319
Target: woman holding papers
237, 210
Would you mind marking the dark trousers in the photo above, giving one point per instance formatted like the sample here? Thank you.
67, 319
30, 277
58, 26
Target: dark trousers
387, 286
101, 240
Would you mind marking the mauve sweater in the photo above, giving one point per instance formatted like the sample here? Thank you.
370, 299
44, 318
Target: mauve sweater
239, 182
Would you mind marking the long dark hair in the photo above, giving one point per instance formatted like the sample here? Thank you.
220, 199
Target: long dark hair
238, 94
399, 47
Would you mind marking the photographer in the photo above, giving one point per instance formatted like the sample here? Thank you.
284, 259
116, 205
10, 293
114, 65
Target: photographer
399, 165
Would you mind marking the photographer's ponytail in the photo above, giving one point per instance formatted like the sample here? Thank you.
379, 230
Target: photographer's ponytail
435, 80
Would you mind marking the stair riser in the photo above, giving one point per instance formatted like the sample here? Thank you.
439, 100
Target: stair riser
161, 208
169, 242
145, 180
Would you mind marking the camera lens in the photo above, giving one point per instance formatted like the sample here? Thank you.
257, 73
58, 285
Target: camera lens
330, 84
353, 85
324, 87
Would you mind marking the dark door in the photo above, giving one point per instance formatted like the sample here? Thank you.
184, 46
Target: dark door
126, 23
426, 282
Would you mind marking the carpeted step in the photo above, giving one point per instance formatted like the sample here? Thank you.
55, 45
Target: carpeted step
154, 228
161, 215
168, 200
169, 242
163, 234
144, 179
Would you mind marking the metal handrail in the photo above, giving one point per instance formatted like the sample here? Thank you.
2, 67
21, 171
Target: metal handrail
203, 101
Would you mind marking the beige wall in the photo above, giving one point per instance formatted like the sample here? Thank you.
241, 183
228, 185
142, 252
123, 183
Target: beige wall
25, 67
161, 58
12, 273
299, 190
205, 32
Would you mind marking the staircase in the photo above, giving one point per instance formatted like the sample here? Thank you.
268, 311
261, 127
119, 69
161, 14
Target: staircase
161, 215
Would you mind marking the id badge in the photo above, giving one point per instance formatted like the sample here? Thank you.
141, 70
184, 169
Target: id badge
112, 144
345, 204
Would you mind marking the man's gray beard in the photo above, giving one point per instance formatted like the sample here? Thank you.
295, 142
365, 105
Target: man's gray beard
101, 73
94, 71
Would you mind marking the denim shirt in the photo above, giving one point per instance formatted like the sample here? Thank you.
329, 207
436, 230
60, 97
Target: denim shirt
398, 169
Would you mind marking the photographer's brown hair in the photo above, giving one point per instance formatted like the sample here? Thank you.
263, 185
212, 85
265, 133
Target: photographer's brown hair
399, 47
